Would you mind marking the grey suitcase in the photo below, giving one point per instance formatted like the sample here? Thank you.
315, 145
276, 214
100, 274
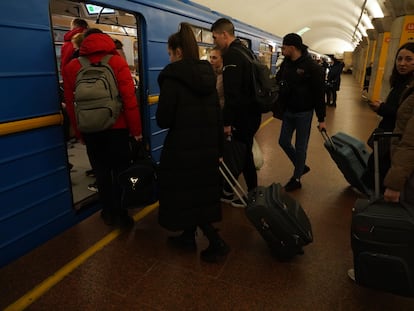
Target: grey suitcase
351, 157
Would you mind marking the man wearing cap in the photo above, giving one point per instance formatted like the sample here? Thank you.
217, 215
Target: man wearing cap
301, 82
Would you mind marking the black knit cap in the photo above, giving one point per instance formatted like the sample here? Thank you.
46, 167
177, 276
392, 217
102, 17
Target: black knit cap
294, 40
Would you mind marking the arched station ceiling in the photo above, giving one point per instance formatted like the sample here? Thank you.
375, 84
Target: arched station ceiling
334, 26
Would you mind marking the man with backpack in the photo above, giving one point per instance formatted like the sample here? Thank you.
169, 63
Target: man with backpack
302, 90
99, 81
241, 116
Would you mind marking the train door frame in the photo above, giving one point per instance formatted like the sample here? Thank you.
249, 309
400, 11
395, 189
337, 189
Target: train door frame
138, 63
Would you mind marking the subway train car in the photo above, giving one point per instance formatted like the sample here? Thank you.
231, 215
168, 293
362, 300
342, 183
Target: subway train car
40, 195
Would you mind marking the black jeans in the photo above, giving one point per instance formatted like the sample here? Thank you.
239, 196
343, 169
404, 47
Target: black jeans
249, 169
109, 154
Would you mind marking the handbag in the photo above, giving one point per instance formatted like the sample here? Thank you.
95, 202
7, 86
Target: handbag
257, 155
139, 181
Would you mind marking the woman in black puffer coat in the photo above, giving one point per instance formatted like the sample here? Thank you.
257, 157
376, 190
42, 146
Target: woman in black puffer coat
189, 178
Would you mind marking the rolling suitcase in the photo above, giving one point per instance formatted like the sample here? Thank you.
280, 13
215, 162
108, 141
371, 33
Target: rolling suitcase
351, 157
278, 218
382, 240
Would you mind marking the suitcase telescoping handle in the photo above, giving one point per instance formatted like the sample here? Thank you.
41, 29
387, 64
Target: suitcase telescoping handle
233, 182
327, 138
376, 137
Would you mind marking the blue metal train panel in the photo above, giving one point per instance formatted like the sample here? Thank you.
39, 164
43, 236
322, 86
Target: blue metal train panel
23, 72
35, 189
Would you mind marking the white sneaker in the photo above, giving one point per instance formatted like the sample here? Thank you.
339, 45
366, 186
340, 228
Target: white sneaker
226, 198
93, 187
238, 203
351, 274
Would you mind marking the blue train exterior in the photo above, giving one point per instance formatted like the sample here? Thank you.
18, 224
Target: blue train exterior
35, 187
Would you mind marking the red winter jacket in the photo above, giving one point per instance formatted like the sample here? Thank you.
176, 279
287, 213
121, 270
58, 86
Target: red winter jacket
94, 47
67, 50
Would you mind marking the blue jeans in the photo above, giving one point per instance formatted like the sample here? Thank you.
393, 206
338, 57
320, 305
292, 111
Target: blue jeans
301, 122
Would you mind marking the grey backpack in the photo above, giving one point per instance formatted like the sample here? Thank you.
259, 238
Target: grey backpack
97, 100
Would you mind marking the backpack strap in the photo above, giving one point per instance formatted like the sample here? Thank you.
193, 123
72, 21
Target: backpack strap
84, 61
247, 53
105, 59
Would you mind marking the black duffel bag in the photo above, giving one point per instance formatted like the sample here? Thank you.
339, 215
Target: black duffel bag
139, 181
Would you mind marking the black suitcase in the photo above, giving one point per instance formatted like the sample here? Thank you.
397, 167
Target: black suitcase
280, 220
382, 240
351, 157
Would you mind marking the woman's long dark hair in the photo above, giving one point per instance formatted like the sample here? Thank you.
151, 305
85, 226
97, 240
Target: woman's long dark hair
396, 77
185, 40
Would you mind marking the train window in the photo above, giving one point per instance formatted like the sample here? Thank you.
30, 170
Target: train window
119, 25
207, 36
265, 54
96, 9
197, 33
245, 42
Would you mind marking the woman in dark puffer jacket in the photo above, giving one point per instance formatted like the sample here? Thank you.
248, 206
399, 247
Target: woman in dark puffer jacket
188, 173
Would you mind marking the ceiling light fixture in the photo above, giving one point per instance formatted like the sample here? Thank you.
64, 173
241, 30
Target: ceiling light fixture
302, 31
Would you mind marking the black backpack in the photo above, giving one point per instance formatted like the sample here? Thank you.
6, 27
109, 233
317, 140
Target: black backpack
266, 89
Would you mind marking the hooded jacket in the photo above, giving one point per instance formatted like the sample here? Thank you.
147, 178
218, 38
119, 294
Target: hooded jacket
94, 47
67, 50
302, 86
402, 150
188, 173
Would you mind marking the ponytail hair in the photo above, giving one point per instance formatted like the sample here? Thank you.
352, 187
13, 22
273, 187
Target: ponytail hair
186, 41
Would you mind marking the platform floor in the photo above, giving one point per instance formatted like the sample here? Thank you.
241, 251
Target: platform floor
93, 267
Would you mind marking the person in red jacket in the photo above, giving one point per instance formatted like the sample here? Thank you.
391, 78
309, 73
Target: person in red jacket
108, 150
77, 25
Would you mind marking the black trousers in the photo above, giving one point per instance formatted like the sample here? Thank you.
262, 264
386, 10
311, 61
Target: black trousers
109, 154
249, 171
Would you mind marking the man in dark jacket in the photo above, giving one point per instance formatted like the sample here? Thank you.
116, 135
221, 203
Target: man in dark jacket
302, 92
334, 80
241, 117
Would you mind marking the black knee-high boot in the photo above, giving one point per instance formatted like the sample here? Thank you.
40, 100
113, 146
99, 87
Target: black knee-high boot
186, 240
217, 249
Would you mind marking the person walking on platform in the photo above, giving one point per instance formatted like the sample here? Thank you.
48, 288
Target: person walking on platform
108, 150
302, 91
241, 117
333, 81
189, 178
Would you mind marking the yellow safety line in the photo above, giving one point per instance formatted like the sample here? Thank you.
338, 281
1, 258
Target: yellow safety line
51, 281
266, 122
30, 124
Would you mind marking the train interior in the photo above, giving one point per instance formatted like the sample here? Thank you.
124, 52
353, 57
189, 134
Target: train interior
119, 25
